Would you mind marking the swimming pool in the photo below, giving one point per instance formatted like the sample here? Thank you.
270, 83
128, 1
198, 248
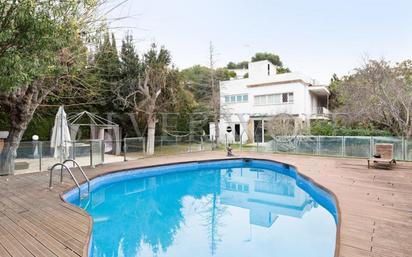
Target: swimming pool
238, 207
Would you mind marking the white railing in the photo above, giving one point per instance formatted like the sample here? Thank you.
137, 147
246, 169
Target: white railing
320, 111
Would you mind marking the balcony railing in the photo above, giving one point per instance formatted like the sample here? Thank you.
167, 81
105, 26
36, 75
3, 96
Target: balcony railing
320, 111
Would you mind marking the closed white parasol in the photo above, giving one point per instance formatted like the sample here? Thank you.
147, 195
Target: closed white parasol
61, 135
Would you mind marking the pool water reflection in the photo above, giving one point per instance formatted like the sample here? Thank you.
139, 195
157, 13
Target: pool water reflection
240, 211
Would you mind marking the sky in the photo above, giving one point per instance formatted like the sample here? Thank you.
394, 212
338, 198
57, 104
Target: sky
314, 37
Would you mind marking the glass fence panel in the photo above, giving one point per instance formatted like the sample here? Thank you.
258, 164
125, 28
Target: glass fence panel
81, 151
284, 144
397, 145
134, 148
207, 144
27, 157
96, 156
307, 145
408, 149
357, 146
268, 146
169, 144
331, 146
112, 151
196, 143
35, 156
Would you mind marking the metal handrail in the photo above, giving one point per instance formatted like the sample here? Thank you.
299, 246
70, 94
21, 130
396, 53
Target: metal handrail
81, 170
68, 170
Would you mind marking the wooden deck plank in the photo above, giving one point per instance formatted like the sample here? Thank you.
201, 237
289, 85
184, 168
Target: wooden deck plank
29, 242
376, 206
12, 245
3, 251
58, 248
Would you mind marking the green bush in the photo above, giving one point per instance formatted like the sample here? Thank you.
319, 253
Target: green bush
326, 128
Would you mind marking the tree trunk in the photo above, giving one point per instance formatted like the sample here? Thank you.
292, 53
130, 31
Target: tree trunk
20, 105
151, 129
20, 121
217, 126
9, 151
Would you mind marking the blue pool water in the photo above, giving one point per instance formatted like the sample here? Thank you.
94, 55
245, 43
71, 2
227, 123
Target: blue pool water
221, 208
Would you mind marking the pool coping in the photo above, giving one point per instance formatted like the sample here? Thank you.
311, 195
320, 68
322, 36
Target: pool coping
86, 248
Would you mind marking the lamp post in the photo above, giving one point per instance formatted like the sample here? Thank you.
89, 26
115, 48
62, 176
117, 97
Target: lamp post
35, 139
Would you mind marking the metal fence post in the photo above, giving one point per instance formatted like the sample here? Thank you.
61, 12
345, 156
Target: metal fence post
124, 150
404, 148
201, 143
73, 151
91, 154
318, 145
343, 146
371, 146
161, 143
190, 143
40, 149
144, 146
103, 147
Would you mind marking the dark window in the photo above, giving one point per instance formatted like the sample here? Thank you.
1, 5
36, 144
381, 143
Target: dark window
268, 69
285, 98
258, 131
237, 132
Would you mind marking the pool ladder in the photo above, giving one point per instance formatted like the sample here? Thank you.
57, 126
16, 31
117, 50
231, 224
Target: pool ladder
65, 167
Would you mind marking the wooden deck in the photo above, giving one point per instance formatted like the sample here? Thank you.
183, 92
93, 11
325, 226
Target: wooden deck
376, 207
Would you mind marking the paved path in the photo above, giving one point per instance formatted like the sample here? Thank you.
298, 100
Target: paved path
376, 206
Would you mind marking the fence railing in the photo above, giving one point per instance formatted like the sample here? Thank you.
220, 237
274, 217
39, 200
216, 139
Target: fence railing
340, 146
40, 155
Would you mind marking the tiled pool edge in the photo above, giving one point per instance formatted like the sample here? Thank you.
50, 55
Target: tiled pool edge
150, 171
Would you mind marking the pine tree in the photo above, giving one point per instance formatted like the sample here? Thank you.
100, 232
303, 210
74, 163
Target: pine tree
107, 68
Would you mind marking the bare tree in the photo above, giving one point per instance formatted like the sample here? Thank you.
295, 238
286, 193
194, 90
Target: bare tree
152, 92
285, 129
215, 92
380, 93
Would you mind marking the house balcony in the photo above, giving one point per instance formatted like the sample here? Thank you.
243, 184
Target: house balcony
320, 113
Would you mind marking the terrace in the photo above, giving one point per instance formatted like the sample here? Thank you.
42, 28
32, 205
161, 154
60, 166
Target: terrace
375, 207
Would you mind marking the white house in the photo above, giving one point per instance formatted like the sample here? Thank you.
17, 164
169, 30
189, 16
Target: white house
245, 104
267, 195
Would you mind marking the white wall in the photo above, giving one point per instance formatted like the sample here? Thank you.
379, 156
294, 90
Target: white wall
260, 83
261, 69
230, 88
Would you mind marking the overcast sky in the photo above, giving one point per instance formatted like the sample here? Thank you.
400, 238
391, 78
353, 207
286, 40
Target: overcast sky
317, 37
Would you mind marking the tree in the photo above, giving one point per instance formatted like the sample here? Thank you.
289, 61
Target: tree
240, 65
215, 100
381, 94
261, 56
273, 58
196, 79
130, 67
41, 48
106, 66
334, 102
155, 89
